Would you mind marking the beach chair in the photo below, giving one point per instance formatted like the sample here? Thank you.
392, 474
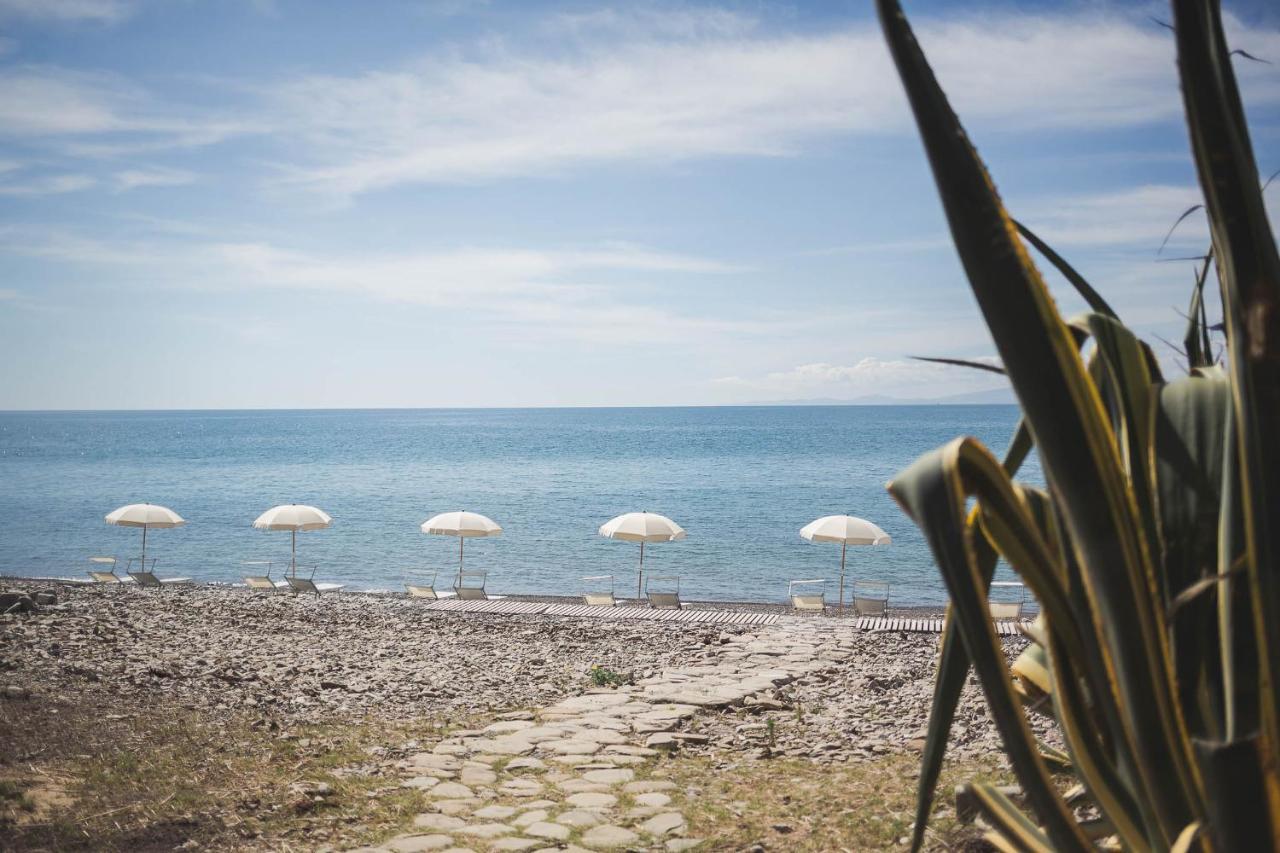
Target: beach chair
262, 582
421, 590
595, 594
146, 577
109, 574
870, 598
663, 598
808, 594
1007, 608
308, 584
469, 586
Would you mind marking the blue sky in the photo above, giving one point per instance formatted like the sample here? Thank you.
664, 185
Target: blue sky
411, 203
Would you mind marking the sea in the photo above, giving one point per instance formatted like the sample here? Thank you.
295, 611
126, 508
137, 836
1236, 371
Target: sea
742, 481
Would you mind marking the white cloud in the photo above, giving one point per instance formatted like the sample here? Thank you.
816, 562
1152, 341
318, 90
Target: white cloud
1139, 216
48, 185
904, 378
666, 87
101, 11
134, 178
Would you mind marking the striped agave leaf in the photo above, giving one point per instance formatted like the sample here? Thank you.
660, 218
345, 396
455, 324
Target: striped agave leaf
1154, 552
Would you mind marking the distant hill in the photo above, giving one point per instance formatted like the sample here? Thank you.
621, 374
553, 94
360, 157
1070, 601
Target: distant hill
989, 397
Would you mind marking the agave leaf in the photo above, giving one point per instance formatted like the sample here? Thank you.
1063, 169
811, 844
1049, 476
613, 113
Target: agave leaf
1188, 436
953, 667
1086, 291
1196, 344
1076, 446
1249, 272
962, 362
1015, 828
933, 492
1240, 817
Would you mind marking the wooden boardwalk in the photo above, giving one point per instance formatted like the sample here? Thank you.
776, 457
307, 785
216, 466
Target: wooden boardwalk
505, 607
1004, 628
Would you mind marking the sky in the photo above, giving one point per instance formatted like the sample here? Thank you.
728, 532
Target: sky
405, 203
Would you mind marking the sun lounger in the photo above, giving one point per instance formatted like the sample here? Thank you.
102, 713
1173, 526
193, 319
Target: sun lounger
1007, 609
808, 594
109, 574
870, 598
469, 586
147, 579
309, 584
595, 594
423, 590
663, 599
263, 582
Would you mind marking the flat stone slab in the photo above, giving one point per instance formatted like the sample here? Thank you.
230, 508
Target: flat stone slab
525, 763
520, 787
663, 824
610, 777
514, 844
591, 800
486, 830
608, 836
432, 761
508, 726
590, 702
494, 812
579, 786
477, 776
457, 807
438, 822
648, 785
422, 783
570, 747
553, 831
418, 843
652, 798
580, 818
450, 791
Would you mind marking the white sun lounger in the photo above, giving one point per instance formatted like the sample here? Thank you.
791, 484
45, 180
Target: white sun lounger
422, 590
469, 586
262, 582
663, 599
594, 593
870, 598
109, 574
146, 578
1008, 609
808, 594
309, 585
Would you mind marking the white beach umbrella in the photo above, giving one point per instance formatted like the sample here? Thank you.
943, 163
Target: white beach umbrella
293, 517
464, 525
642, 527
146, 516
846, 530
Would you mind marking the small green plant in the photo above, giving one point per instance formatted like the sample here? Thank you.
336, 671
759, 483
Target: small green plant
604, 677
771, 728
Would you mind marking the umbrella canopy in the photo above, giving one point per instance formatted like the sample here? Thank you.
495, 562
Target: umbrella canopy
459, 523
464, 525
642, 527
293, 517
846, 530
145, 516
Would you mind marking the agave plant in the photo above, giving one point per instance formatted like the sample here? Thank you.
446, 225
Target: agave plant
1155, 549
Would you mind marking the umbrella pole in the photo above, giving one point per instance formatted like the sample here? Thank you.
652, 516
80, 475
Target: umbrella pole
461, 541
640, 575
293, 553
844, 546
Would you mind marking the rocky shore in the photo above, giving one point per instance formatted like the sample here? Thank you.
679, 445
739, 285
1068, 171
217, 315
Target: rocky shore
382, 657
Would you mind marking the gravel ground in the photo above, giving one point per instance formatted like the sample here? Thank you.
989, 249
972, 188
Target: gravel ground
385, 657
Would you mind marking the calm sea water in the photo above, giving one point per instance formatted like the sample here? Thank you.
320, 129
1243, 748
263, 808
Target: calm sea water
742, 481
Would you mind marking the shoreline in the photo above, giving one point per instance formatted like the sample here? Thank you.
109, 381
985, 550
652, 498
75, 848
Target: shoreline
915, 611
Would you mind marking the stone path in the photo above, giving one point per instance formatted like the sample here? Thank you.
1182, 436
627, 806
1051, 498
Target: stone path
576, 775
